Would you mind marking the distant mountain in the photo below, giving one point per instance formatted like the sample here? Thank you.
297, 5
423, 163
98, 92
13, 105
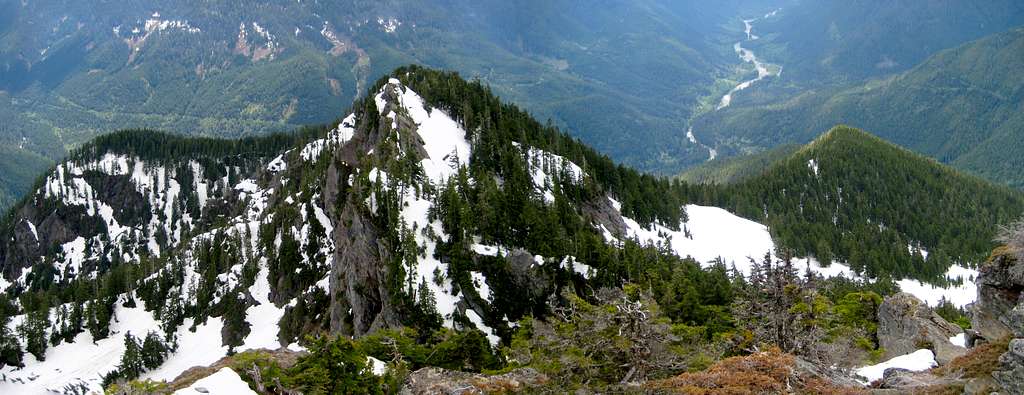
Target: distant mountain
70, 70
962, 106
852, 197
625, 76
835, 41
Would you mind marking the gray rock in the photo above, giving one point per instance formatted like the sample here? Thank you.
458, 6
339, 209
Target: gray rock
1000, 285
905, 324
440, 381
999, 313
903, 379
1011, 375
360, 300
806, 369
1016, 320
601, 212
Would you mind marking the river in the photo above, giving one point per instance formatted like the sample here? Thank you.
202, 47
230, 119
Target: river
748, 56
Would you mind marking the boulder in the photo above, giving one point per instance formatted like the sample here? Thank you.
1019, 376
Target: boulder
440, 381
906, 324
905, 380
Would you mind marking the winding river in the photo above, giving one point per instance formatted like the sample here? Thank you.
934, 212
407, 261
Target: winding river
748, 56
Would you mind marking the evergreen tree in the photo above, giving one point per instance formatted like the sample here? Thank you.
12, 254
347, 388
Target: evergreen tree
37, 321
132, 365
10, 349
235, 326
153, 351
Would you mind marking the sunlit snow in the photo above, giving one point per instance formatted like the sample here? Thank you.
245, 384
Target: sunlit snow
83, 362
916, 361
225, 381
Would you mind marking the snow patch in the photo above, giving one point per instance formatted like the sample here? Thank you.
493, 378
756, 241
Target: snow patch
569, 263
263, 317
444, 140
489, 250
480, 284
335, 138
277, 165
32, 228
74, 255
479, 322
915, 362
959, 340
959, 295
225, 381
200, 348
711, 233
543, 168
377, 367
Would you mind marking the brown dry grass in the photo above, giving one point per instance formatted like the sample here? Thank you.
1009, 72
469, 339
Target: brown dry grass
764, 373
980, 361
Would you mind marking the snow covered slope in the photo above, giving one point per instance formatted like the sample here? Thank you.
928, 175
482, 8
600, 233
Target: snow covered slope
712, 233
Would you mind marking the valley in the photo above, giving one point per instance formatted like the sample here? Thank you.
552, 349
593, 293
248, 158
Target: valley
746, 55
423, 197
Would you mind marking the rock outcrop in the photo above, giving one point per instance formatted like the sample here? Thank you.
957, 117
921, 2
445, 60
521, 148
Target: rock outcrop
441, 381
1000, 287
906, 324
905, 380
1011, 375
999, 314
601, 212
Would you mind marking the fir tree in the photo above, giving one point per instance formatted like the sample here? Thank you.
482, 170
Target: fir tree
132, 365
10, 349
153, 351
33, 328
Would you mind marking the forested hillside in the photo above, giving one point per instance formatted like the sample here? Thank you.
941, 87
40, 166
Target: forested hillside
853, 197
826, 42
962, 106
734, 169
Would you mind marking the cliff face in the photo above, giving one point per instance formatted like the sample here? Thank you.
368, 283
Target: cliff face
1000, 291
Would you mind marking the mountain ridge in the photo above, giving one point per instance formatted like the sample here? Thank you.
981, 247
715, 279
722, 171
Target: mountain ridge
886, 181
